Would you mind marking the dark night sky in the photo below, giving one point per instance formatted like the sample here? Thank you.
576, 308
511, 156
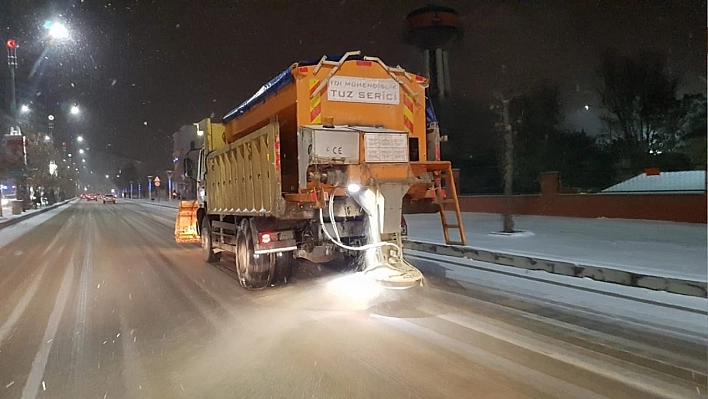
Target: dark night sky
171, 62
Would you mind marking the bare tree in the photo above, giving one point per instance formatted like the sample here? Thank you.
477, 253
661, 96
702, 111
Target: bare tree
504, 99
640, 96
508, 135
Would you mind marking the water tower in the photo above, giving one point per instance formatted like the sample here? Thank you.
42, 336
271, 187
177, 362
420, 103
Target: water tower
432, 29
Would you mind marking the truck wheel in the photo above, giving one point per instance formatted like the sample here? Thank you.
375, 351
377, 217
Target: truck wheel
207, 249
254, 271
283, 266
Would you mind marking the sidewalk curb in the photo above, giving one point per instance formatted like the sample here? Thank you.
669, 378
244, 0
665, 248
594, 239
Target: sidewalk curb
19, 219
598, 273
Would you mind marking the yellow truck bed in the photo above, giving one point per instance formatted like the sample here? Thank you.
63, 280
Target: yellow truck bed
243, 178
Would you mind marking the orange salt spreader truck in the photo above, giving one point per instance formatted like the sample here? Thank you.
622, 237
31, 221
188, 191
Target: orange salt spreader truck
324, 158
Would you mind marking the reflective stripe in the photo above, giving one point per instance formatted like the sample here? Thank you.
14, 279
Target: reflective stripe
315, 103
269, 251
408, 113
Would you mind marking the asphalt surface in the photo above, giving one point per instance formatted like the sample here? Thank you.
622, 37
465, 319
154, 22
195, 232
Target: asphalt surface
99, 302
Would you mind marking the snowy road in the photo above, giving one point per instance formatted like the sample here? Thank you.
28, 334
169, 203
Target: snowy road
99, 302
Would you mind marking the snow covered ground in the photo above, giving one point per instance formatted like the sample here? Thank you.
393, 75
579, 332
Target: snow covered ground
10, 233
657, 248
647, 247
684, 315
7, 214
162, 203
661, 310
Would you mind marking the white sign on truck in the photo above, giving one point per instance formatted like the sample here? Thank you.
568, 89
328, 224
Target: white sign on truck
363, 90
386, 147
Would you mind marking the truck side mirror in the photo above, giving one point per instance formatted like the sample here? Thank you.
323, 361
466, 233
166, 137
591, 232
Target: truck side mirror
188, 166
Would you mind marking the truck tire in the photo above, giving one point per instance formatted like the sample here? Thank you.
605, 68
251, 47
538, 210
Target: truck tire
254, 272
207, 249
283, 266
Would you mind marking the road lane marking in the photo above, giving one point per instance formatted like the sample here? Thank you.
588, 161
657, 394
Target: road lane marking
40, 360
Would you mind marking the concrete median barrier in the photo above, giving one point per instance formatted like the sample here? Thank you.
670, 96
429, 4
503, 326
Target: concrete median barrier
18, 219
598, 273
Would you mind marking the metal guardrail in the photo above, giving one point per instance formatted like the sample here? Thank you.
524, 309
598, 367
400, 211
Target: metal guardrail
598, 273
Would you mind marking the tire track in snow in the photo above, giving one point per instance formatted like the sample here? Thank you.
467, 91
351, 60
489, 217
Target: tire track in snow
21, 306
81, 320
36, 374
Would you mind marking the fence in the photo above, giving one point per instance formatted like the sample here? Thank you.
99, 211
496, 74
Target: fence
675, 207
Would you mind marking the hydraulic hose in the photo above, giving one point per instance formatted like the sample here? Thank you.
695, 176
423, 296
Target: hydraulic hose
347, 247
332, 221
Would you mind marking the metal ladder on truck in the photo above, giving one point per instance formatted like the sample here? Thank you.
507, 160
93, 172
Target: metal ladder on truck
446, 194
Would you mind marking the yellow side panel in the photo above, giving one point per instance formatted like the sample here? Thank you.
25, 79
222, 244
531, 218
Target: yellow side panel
243, 178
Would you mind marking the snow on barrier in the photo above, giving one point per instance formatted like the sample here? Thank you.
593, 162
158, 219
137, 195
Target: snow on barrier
605, 274
18, 219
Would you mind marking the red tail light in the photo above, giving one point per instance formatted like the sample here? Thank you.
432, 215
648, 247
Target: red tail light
364, 63
266, 238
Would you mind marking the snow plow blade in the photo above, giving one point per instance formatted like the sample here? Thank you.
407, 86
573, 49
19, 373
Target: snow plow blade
186, 223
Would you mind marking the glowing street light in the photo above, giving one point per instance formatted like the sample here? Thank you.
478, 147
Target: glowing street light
108, 177
80, 139
81, 150
57, 30
75, 109
24, 109
200, 132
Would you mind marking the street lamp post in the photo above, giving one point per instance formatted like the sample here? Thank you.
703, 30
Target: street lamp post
169, 184
131, 190
149, 187
11, 45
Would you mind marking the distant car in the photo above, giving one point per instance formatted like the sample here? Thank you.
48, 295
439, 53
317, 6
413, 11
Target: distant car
91, 197
109, 198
